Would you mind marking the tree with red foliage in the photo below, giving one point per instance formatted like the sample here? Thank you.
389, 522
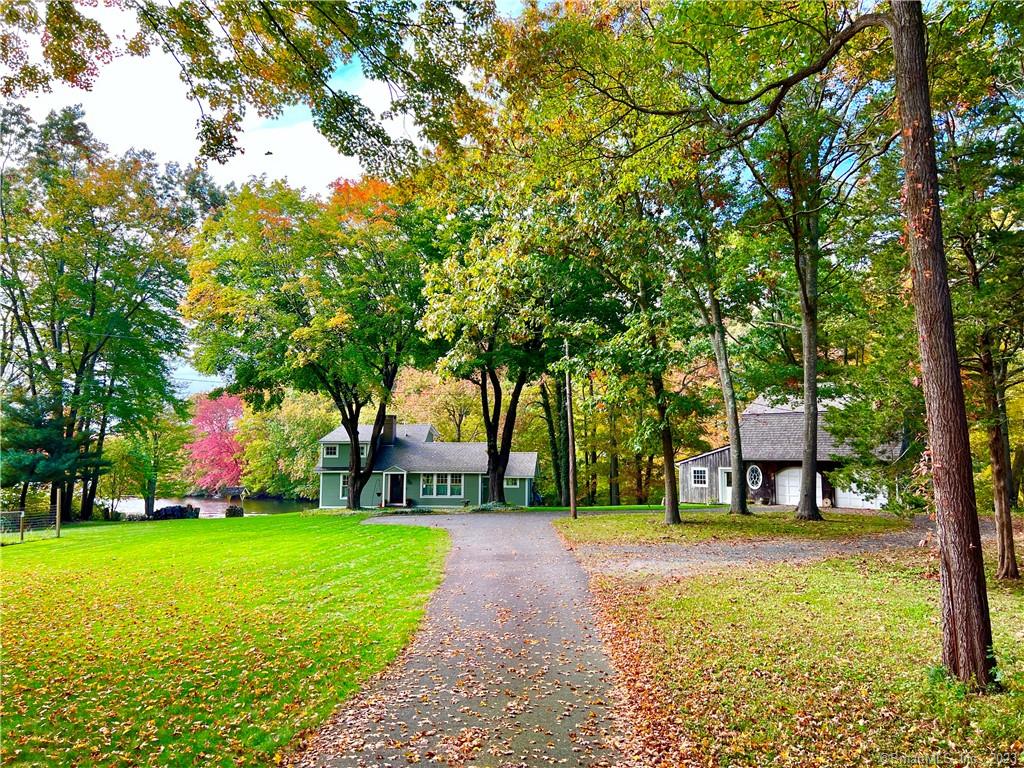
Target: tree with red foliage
216, 453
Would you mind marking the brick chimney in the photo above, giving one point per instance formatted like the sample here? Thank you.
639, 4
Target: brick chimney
390, 431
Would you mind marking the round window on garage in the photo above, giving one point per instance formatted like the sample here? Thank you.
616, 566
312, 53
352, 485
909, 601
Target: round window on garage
754, 477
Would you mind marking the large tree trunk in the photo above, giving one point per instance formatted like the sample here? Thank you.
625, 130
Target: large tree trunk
1006, 567
66, 498
563, 439
551, 422
499, 431
592, 455
92, 480
149, 498
357, 475
738, 504
1016, 473
966, 626
808, 259
614, 498
668, 452
587, 468
648, 474
808, 507
639, 496
558, 436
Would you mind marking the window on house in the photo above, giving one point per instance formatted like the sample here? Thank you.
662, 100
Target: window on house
699, 477
363, 450
344, 486
441, 484
511, 482
330, 451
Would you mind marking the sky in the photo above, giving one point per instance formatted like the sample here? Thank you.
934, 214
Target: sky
142, 103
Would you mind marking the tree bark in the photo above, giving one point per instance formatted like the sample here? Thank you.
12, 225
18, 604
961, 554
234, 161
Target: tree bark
499, 432
808, 507
1006, 567
563, 440
592, 453
586, 458
638, 476
550, 419
150, 498
648, 474
967, 630
738, 504
808, 259
614, 498
1016, 473
668, 452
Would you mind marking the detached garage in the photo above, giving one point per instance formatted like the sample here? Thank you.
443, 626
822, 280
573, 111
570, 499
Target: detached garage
853, 499
787, 486
772, 438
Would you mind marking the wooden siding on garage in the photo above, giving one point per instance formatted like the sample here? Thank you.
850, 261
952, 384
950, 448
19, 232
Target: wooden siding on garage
712, 461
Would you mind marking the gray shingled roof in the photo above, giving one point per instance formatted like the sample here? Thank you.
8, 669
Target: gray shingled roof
450, 457
413, 453
417, 432
775, 432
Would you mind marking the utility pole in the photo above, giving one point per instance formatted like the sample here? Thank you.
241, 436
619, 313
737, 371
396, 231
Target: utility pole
572, 436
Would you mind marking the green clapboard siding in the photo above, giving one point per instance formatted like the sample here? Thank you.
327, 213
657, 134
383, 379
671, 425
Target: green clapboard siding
473, 486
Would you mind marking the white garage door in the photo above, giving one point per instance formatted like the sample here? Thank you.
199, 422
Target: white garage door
787, 487
855, 499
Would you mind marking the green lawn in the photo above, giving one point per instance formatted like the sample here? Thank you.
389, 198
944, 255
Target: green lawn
826, 664
200, 642
623, 507
710, 524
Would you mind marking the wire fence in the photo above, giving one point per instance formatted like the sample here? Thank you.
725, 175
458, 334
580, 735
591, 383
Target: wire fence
21, 525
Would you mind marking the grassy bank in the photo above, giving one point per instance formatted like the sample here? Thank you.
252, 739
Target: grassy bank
704, 525
833, 663
623, 508
200, 642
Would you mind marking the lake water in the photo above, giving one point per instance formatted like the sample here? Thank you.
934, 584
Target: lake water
215, 507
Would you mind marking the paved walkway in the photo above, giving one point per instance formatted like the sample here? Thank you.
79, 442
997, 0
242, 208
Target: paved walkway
507, 671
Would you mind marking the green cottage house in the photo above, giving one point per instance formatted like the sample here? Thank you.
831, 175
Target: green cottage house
415, 469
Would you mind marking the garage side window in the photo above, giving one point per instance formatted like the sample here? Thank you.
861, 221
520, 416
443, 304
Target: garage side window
754, 477
699, 477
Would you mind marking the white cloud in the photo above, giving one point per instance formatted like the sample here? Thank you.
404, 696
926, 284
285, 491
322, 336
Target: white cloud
143, 103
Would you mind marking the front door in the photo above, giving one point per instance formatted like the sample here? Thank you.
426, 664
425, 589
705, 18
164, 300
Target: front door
396, 490
725, 486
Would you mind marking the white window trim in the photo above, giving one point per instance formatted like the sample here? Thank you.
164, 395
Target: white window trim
331, 455
760, 471
364, 448
449, 495
512, 482
385, 488
693, 477
343, 485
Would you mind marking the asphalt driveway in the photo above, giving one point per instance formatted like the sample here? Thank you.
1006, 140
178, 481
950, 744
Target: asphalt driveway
507, 671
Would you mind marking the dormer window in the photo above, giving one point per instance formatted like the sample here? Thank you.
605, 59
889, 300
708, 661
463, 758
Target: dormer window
330, 451
364, 448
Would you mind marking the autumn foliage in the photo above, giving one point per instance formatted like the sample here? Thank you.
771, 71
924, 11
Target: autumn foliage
216, 453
